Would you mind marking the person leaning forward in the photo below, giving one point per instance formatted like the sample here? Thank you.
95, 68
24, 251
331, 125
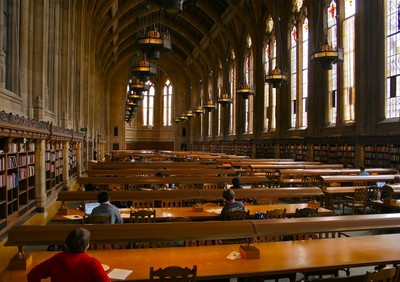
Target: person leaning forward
74, 264
106, 208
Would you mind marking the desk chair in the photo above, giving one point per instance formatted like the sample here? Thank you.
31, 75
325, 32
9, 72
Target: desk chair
143, 216
237, 215
358, 201
306, 212
97, 219
174, 274
208, 186
385, 274
142, 204
171, 203
276, 213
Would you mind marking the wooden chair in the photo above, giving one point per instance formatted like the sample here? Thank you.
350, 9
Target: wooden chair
306, 212
174, 274
142, 204
276, 213
143, 216
273, 176
208, 186
171, 203
97, 219
358, 201
237, 215
385, 274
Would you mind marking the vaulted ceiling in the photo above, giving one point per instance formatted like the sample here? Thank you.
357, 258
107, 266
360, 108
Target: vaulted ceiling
199, 25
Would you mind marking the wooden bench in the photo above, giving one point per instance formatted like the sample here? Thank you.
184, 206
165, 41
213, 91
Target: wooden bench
38, 235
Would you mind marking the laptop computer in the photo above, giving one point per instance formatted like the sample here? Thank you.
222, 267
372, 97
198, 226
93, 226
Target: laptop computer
89, 206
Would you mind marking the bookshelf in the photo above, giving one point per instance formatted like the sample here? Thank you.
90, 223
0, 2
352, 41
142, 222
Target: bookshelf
72, 159
54, 166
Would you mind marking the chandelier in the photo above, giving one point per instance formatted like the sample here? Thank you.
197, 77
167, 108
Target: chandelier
328, 54
245, 91
224, 100
209, 106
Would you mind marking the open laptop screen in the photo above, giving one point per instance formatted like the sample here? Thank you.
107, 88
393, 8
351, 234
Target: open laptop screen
90, 206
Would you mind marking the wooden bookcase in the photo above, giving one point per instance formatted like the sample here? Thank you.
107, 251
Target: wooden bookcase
54, 166
72, 159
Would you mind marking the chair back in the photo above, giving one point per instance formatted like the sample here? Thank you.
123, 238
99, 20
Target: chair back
143, 216
142, 204
385, 274
360, 195
171, 203
306, 212
174, 274
209, 186
97, 219
236, 215
276, 213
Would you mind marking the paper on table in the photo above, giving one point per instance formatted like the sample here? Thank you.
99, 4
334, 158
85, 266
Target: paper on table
234, 256
73, 216
119, 274
218, 211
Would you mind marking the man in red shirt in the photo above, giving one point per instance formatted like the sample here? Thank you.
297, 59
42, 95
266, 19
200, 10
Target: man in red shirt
74, 264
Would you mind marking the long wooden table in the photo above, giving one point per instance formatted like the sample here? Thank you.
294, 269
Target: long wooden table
193, 194
328, 179
208, 213
275, 258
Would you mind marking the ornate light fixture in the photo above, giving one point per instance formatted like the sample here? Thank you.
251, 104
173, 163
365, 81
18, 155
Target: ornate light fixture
224, 100
154, 38
277, 76
328, 54
177, 119
209, 106
198, 111
245, 91
183, 117
143, 69
189, 114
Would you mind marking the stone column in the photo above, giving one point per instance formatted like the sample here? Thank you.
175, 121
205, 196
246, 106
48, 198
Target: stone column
66, 182
40, 175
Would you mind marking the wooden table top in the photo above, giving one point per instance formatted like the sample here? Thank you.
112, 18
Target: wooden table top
275, 257
358, 178
208, 213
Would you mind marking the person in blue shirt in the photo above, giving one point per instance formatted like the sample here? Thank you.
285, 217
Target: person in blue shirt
362, 171
106, 208
230, 203
236, 183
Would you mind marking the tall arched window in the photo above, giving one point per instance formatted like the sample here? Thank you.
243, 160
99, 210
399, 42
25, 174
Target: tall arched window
346, 99
304, 63
349, 60
332, 74
392, 105
220, 92
167, 104
148, 106
210, 113
269, 91
293, 77
249, 77
232, 88
299, 66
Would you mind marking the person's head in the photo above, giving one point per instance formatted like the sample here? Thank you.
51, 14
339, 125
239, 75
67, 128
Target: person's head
228, 195
362, 169
77, 240
236, 182
103, 197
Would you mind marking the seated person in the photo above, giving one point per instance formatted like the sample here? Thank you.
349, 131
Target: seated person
236, 183
74, 264
230, 203
362, 171
106, 208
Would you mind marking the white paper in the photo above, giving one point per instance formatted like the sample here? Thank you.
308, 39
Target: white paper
218, 211
119, 274
234, 255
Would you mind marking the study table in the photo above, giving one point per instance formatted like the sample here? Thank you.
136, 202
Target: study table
208, 213
275, 258
326, 180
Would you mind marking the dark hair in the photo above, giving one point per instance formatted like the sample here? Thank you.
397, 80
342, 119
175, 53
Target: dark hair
103, 197
91, 187
228, 194
362, 168
78, 240
236, 182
